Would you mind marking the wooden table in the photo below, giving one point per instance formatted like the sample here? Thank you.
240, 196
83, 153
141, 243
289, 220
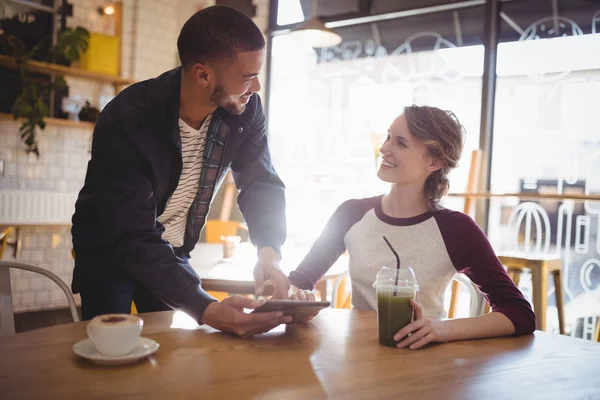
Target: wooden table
337, 355
236, 275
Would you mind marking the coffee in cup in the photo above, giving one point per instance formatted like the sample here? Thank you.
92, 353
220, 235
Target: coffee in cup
395, 289
115, 334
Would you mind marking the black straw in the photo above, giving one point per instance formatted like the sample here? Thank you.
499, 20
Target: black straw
397, 263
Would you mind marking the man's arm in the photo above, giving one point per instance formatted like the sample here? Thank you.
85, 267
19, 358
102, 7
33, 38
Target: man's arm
262, 201
116, 212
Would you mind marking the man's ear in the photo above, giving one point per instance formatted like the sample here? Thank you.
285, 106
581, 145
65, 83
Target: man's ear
202, 74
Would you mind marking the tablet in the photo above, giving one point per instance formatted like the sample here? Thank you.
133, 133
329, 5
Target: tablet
298, 309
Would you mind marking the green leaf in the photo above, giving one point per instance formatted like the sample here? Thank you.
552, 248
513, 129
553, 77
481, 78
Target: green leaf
71, 43
28, 135
42, 49
14, 45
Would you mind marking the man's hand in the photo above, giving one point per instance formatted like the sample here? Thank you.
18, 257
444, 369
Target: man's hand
267, 268
229, 316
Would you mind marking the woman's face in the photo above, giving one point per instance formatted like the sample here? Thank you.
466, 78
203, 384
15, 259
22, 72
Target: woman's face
405, 160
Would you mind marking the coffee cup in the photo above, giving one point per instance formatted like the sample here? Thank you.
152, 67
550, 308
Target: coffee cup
230, 244
395, 289
115, 334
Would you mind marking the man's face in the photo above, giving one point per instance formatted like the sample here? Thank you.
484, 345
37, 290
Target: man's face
237, 81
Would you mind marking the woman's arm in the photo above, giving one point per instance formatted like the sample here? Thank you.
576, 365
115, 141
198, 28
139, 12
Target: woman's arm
426, 329
330, 244
473, 255
489, 325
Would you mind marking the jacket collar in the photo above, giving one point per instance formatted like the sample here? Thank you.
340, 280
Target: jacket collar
174, 82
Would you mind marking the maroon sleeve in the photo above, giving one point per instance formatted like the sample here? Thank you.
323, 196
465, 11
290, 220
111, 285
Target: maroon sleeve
330, 244
472, 254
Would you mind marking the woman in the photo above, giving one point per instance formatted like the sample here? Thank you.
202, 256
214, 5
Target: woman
422, 146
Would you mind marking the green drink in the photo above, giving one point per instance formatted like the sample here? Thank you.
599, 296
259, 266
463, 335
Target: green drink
395, 289
393, 314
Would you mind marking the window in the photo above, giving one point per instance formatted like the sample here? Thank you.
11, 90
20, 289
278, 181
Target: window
329, 109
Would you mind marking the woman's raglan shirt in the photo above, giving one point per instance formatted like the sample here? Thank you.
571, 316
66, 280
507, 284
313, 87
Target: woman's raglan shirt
435, 245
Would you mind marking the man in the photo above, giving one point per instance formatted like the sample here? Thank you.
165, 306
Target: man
160, 150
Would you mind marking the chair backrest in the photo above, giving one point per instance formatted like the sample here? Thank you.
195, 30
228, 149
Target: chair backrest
342, 295
477, 301
536, 223
7, 322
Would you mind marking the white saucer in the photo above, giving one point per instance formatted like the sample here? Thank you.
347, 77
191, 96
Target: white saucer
87, 350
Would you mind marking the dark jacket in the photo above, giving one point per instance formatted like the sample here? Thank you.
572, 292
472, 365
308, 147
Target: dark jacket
135, 168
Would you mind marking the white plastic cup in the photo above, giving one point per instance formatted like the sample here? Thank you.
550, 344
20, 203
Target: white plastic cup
395, 288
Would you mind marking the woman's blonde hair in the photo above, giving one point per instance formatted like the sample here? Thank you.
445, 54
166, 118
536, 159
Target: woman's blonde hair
443, 135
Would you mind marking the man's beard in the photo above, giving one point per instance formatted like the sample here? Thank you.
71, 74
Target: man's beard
221, 99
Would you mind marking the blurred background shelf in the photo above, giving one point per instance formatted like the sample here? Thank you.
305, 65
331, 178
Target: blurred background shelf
54, 121
54, 69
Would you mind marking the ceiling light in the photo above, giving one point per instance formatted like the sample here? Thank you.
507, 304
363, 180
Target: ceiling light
314, 31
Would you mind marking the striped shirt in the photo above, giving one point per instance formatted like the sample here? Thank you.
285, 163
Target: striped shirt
174, 218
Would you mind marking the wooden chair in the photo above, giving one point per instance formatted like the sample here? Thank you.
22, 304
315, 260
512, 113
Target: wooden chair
7, 322
342, 297
469, 209
541, 267
532, 252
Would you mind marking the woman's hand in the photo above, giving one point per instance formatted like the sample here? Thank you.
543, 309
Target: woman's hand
305, 295
422, 330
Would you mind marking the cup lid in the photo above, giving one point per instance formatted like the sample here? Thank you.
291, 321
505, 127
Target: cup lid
403, 278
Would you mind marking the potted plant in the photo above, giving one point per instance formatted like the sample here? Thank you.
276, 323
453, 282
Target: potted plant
89, 113
30, 104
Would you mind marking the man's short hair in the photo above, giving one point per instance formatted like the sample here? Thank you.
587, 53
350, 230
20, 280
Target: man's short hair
216, 33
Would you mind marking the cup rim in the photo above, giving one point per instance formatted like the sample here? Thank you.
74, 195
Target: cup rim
99, 317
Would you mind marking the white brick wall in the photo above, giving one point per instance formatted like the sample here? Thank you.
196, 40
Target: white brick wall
149, 47
157, 28
64, 152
